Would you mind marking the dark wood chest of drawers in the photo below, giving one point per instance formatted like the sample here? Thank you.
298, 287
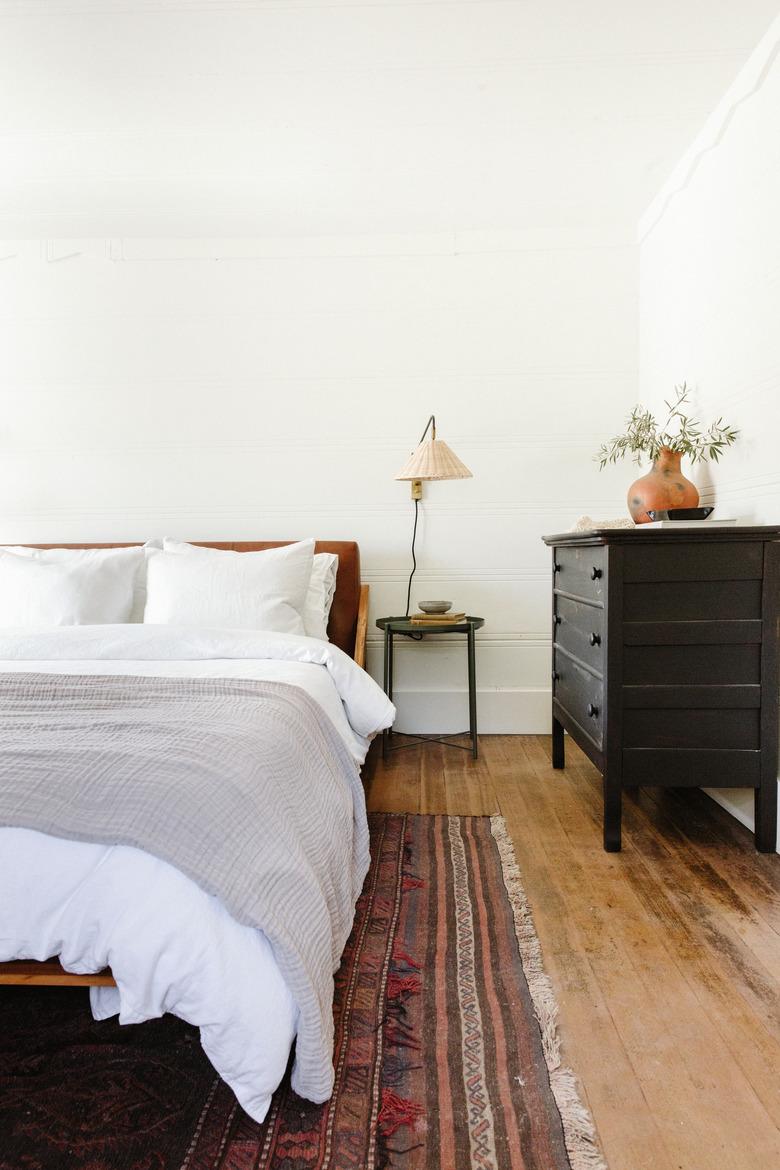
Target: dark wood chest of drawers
665, 661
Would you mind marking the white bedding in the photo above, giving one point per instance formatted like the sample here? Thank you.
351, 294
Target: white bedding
171, 947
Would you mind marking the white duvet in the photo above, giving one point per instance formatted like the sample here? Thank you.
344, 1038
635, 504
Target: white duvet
171, 947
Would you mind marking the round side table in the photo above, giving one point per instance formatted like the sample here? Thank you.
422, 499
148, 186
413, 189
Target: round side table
417, 630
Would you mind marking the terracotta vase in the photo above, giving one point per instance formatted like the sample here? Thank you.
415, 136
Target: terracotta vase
664, 486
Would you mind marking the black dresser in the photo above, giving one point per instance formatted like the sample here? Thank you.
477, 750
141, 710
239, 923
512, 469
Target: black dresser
665, 661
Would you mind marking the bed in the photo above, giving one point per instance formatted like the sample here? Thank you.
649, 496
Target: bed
169, 916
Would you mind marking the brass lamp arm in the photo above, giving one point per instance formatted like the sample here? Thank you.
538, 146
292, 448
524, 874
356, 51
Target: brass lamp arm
430, 423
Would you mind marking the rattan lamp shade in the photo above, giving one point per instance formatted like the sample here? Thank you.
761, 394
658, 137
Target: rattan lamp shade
433, 459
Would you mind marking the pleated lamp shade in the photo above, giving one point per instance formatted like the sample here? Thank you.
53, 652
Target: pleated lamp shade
433, 459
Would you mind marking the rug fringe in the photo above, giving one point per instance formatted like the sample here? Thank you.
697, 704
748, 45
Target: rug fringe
578, 1129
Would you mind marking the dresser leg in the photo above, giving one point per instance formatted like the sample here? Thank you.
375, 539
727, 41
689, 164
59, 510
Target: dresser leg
558, 751
766, 817
612, 814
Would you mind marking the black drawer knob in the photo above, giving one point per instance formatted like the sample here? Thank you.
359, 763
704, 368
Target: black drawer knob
593, 711
555, 675
556, 567
557, 619
595, 639
595, 573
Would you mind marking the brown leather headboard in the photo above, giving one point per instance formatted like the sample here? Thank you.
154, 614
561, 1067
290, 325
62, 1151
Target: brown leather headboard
344, 612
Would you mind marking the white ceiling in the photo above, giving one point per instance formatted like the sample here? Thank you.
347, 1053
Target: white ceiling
325, 117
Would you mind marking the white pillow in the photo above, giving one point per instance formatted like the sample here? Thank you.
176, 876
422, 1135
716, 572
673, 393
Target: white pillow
133, 560
319, 595
211, 587
70, 590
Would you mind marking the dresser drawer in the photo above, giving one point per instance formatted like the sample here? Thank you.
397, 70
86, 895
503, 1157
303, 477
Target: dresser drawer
699, 561
581, 693
692, 601
579, 629
581, 572
729, 665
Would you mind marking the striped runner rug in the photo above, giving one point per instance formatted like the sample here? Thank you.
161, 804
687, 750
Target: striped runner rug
446, 1054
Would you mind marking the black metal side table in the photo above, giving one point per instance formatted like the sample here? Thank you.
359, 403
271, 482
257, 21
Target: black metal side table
417, 630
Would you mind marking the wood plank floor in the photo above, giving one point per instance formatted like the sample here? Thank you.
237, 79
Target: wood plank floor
665, 957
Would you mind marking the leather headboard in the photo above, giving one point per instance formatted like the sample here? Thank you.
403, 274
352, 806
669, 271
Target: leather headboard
343, 615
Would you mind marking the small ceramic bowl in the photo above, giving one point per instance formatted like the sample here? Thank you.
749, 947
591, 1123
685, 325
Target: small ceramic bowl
435, 606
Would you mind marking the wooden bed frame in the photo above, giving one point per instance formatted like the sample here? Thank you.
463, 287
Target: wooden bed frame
347, 628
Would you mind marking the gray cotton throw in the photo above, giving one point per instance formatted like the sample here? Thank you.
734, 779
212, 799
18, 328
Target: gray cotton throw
244, 786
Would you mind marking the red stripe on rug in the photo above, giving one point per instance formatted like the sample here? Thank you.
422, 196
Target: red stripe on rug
517, 1161
446, 1127
378, 1124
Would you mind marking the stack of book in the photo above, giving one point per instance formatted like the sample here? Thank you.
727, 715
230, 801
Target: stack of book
437, 619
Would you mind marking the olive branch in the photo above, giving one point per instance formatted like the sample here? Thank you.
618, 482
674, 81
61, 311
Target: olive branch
643, 437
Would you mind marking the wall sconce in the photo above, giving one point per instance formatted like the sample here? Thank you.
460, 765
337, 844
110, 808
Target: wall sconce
432, 459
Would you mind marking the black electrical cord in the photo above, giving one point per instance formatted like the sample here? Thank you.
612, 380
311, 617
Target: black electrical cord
414, 559
430, 423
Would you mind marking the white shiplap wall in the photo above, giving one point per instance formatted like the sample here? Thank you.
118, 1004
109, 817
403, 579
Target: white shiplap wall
710, 295
251, 245
237, 388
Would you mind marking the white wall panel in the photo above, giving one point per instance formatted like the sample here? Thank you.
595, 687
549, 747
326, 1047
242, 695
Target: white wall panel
148, 390
710, 296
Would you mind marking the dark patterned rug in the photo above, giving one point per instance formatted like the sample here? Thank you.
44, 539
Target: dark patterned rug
446, 1053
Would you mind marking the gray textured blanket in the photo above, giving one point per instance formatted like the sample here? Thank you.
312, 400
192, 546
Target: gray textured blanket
244, 786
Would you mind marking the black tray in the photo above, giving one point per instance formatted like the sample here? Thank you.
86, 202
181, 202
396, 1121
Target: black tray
679, 513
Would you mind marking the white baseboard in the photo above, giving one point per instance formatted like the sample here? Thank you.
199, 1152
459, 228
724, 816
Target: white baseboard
739, 802
507, 711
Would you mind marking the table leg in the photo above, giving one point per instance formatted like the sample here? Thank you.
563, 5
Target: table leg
388, 685
472, 691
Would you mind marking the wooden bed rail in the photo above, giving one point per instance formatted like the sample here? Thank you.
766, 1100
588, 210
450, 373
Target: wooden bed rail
50, 973
362, 627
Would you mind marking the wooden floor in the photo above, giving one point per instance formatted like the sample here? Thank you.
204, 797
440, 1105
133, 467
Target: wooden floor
665, 958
